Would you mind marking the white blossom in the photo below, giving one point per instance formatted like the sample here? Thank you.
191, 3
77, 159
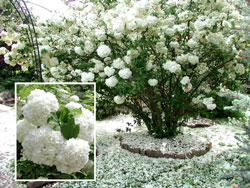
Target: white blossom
209, 103
74, 98
3, 50
192, 43
111, 82
125, 73
174, 44
88, 47
73, 29
172, 66
186, 88
193, 59
73, 156
87, 77
73, 105
78, 50
109, 71
119, 99
152, 82
53, 61
41, 145
103, 51
23, 128
118, 64
185, 80
39, 106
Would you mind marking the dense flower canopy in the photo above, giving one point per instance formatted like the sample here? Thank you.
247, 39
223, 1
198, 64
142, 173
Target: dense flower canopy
168, 55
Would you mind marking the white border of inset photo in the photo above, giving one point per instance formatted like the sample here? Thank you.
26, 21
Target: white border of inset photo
55, 83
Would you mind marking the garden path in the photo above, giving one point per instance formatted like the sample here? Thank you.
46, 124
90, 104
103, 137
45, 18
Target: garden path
7, 145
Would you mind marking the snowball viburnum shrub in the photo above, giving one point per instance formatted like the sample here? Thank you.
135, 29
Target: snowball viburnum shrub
145, 50
56, 136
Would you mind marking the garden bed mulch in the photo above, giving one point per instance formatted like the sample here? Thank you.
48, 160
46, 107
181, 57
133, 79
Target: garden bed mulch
181, 147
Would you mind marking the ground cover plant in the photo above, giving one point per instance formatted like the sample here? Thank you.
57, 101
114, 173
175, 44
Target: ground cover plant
240, 171
55, 132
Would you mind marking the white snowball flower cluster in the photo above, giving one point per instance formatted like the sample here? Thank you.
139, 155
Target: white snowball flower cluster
185, 80
111, 82
53, 61
118, 63
3, 50
186, 85
43, 145
74, 98
152, 82
73, 29
68, 163
172, 66
78, 50
89, 47
192, 43
63, 94
73, 105
119, 99
103, 51
87, 77
23, 128
39, 106
109, 71
209, 103
193, 59
125, 73
18, 46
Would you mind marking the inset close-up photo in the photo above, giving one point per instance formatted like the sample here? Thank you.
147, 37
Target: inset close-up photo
55, 131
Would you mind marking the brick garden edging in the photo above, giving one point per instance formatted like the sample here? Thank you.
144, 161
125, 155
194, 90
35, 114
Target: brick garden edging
200, 122
35, 184
159, 154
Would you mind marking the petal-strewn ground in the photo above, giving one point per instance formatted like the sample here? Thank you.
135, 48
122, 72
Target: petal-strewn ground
117, 167
7, 145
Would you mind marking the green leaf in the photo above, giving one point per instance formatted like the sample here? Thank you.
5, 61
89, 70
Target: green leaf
233, 23
64, 176
76, 111
58, 113
64, 115
68, 128
53, 117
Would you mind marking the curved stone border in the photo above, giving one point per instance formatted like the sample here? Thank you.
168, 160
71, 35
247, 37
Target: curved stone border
159, 154
200, 122
35, 184
38, 184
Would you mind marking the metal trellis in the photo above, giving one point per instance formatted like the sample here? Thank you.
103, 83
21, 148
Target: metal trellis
26, 17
